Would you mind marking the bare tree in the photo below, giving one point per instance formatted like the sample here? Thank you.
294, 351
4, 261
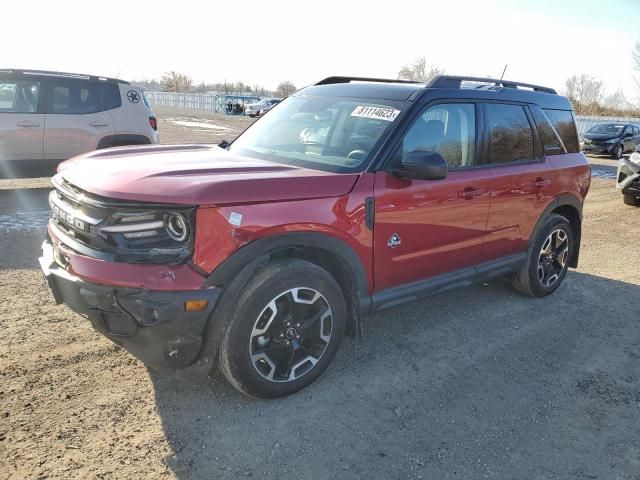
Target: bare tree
176, 82
419, 71
635, 55
585, 93
285, 89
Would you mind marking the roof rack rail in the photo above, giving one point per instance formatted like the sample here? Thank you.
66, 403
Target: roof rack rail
332, 80
451, 81
61, 74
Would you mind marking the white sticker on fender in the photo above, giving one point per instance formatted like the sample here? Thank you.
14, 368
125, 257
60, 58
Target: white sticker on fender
377, 113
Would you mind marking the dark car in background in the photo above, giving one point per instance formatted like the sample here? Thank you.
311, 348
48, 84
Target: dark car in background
613, 139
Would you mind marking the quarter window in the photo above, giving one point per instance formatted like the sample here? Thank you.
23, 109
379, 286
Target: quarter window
447, 129
19, 96
511, 134
562, 121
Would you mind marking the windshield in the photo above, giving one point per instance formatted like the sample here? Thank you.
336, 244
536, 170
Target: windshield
324, 133
611, 128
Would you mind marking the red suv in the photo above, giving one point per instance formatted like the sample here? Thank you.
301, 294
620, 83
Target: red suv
351, 196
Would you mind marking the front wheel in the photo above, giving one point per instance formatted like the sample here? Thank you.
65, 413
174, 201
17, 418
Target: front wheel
618, 152
548, 258
287, 326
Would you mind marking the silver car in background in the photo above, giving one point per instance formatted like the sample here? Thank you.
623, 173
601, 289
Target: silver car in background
262, 107
47, 117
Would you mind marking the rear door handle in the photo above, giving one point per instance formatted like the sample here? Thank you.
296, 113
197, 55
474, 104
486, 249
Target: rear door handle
28, 123
98, 123
541, 182
470, 192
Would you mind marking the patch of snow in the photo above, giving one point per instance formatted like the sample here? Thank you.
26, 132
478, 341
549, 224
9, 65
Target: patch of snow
209, 126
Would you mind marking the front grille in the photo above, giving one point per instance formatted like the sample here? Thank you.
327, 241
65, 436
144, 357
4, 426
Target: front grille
121, 230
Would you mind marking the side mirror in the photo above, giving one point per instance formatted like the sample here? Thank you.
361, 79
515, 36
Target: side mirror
627, 134
423, 165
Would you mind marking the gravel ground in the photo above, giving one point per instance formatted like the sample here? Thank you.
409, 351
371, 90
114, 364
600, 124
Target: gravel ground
477, 383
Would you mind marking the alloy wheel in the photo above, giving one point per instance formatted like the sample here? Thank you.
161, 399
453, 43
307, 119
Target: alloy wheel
291, 334
553, 257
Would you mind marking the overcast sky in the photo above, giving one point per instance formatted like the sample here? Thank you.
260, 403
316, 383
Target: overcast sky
264, 42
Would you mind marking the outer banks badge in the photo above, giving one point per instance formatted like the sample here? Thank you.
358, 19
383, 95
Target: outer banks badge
394, 241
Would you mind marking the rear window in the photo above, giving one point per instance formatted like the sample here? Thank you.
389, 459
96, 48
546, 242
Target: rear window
565, 125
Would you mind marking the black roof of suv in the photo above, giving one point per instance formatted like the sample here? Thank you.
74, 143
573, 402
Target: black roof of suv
446, 86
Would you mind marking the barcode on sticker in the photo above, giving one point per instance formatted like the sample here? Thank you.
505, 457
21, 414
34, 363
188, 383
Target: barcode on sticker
378, 113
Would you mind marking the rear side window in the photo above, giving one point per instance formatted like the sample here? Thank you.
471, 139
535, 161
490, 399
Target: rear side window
77, 98
550, 141
110, 96
563, 122
511, 137
19, 96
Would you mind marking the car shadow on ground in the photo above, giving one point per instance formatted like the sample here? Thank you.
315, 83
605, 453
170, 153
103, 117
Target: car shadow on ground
480, 382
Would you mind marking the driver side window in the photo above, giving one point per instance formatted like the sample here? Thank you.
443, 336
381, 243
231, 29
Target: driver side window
448, 129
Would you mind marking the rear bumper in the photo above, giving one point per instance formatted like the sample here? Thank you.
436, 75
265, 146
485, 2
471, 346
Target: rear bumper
628, 179
151, 324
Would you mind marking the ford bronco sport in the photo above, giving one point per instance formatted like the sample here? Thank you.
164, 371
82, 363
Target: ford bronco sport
48, 117
351, 196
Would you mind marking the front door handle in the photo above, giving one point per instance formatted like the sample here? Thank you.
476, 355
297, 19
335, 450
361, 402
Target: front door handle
98, 123
541, 182
28, 123
470, 192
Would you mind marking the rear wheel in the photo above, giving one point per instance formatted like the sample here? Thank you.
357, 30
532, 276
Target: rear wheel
548, 258
286, 329
631, 200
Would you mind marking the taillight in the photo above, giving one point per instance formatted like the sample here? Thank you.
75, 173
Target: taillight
154, 123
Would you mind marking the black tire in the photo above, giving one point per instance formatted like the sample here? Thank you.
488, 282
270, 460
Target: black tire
527, 280
631, 200
237, 352
618, 152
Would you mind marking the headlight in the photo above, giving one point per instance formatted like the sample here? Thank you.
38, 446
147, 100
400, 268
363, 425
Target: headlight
635, 158
176, 227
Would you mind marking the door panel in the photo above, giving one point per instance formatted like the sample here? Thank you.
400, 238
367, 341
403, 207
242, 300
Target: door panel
21, 136
21, 120
521, 184
440, 225
69, 135
520, 193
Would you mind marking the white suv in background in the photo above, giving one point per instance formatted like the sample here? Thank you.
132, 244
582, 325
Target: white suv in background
47, 117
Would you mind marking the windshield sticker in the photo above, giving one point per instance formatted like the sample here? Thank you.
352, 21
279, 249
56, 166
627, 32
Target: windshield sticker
377, 113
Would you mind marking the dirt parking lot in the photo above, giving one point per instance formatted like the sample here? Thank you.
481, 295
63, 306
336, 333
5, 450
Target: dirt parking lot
476, 383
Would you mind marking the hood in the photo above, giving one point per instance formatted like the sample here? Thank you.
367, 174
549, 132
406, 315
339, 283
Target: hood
197, 175
599, 137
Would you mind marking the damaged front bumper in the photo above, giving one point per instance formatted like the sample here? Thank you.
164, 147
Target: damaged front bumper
628, 179
153, 325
